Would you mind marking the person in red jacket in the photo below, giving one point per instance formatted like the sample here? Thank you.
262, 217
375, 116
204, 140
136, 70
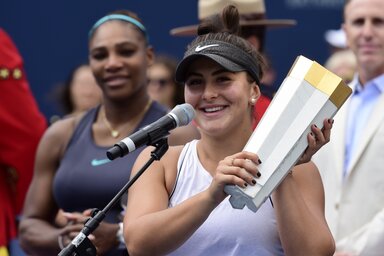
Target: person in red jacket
21, 126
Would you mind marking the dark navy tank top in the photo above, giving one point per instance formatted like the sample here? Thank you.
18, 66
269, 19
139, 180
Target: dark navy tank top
86, 178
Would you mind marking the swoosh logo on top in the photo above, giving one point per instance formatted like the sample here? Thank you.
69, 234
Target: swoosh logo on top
200, 48
98, 162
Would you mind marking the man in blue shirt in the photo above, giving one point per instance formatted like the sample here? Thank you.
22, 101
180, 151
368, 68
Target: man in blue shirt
352, 163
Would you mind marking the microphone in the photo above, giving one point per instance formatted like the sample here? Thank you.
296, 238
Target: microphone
179, 116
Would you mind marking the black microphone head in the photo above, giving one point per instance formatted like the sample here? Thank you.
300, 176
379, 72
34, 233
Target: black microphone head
183, 114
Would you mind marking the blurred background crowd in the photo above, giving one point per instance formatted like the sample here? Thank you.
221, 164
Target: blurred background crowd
52, 37
52, 41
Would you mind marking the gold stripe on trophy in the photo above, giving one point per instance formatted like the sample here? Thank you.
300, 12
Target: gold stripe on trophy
309, 94
329, 83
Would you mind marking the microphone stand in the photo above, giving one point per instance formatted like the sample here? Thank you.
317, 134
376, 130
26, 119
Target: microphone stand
81, 245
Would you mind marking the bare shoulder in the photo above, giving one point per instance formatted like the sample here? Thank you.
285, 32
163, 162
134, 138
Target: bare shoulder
307, 171
155, 184
59, 133
170, 166
40, 202
165, 168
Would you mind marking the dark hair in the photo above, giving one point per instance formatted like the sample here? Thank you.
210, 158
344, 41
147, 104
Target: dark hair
225, 27
127, 13
215, 23
171, 63
133, 19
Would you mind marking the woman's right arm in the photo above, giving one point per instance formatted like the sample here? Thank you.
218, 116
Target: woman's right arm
38, 234
150, 227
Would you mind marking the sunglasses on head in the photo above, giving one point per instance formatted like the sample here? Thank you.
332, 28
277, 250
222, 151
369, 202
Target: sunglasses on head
162, 81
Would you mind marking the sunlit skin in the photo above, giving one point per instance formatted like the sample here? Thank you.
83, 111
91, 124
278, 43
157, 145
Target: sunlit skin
118, 59
364, 27
220, 98
222, 102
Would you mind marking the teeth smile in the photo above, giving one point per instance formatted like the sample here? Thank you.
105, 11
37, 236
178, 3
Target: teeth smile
213, 109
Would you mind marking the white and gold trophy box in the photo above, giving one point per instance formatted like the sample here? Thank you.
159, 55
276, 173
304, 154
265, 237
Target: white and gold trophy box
308, 95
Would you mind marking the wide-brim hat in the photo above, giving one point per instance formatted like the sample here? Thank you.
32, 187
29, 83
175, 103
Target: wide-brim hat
252, 14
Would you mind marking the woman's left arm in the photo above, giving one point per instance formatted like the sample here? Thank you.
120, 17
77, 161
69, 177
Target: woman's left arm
299, 207
299, 203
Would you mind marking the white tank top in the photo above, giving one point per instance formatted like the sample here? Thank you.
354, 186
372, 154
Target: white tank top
226, 231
